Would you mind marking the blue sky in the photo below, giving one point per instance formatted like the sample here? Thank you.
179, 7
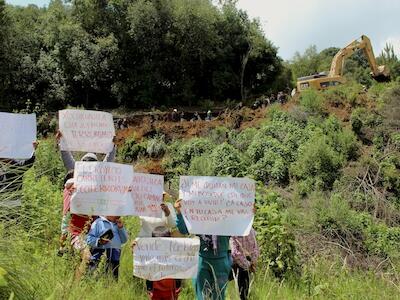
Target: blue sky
293, 25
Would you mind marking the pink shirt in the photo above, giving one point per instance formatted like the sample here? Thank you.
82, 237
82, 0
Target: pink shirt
242, 247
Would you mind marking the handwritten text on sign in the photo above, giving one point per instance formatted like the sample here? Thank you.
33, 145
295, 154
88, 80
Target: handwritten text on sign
85, 130
102, 188
17, 133
217, 205
160, 258
147, 193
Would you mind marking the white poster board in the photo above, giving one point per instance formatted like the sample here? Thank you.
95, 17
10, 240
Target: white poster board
217, 205
102, 188
160, 258
147, 194
17, 133
86, 130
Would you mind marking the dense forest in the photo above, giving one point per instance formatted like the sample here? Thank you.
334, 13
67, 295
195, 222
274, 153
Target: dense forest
132, 53
140, 54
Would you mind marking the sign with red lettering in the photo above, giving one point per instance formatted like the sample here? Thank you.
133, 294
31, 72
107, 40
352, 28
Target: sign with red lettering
217, 205
17, 133
102, 188
160, 258
86, 130
147, 194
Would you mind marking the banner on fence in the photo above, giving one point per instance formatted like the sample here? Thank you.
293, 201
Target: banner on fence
86, 130
17, 133
217, 205
160, 258
102, 188
147, 194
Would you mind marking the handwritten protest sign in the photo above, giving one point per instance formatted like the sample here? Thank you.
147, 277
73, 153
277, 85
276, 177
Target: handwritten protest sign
147, 194
17, 133
102, 188
85, 130
160, 258
217, 205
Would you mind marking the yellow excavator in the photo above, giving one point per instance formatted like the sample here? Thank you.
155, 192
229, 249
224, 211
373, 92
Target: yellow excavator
335, 77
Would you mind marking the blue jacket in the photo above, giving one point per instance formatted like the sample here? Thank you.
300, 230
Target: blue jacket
99, 227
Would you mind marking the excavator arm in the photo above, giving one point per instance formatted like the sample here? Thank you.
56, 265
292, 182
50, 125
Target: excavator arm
380, 73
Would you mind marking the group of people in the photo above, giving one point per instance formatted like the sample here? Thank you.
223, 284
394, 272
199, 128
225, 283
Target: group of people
221, 258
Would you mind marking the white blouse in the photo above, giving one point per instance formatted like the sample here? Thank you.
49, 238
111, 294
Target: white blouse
148, 224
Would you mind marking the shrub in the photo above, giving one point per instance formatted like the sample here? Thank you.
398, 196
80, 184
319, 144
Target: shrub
156, 147
219, 135
131, 150
201, 166
312, 101
277, 243
227, 161
318, 163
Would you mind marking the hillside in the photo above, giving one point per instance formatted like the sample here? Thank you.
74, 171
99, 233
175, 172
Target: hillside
328, 197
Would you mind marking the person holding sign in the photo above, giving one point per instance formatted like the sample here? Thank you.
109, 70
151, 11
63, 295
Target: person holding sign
214, 262
106, 235
69, 161
148, 224
11, 173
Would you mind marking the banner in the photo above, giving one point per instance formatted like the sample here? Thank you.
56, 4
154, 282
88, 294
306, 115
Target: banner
86, 130
147, 195
102, 188
160, 258
217, 205
17, 133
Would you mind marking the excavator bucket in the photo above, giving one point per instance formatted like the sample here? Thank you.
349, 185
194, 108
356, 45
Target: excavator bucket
383, 74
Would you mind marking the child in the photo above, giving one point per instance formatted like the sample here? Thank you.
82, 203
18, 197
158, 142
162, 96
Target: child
245, 253
165, 289
214, 262
106, 234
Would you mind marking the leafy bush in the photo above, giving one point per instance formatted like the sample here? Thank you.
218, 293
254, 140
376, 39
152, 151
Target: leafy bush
243, 139
131, 150
312, 101
219, 135
227, 161
201, 166
277, 243
318, 164
156, 147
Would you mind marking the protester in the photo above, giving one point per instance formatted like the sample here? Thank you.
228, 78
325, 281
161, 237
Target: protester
214, 262
245, 253
69, 161
11, 173
148, 224
106, 235
68, 190
165, 289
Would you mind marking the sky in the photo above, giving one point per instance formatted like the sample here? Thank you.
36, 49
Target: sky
294, 25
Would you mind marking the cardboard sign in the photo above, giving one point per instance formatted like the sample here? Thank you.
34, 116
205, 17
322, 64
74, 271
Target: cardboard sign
102, 188
160, 258
217, 205
85, 130
147, 194
17, 133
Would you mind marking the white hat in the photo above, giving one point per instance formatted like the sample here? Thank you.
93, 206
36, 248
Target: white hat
69, 182
175, 110
89, 157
